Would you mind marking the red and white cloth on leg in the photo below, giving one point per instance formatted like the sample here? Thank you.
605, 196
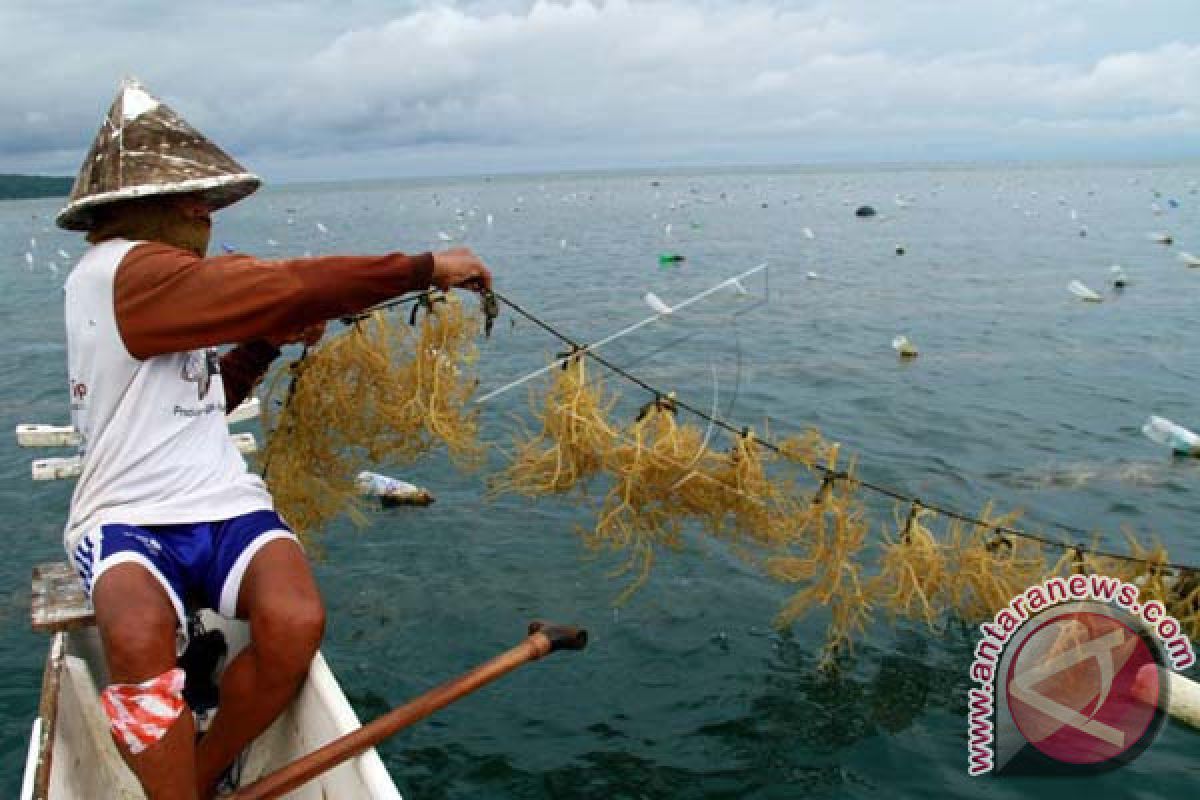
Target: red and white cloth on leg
141, 713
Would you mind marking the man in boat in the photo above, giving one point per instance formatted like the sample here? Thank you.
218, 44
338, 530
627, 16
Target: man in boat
166, 516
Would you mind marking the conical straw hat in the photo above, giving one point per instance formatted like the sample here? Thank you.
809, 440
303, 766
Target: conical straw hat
143, 149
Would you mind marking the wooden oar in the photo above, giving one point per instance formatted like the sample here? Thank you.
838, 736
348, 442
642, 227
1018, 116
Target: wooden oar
544, 638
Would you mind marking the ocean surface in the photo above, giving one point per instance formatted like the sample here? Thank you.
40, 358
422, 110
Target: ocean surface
1022, 394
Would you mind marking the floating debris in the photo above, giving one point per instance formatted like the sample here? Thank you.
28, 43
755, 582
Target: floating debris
272, 243
904, 347
1161, 237
490, 219
1189, 259
864, 211
1182, 441
391, 491
321, 227
670, 258
1083, 292
228, 248
1120, 281
29, 260
899, 249
656, 303
812, 276
1083, 231
63, 254
667, 230
808, 234
445, 237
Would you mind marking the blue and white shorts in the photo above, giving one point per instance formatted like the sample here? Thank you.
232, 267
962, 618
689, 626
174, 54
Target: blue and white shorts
199, 564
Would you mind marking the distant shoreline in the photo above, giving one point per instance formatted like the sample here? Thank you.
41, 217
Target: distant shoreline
24, 187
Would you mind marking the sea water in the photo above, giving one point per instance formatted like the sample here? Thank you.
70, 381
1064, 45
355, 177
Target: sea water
1021, 393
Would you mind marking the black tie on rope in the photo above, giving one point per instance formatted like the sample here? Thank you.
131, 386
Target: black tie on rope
426, 301
568, 357
914, 511
659, 403
491, 310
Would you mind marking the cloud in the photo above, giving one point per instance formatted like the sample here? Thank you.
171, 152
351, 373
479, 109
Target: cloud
494, 84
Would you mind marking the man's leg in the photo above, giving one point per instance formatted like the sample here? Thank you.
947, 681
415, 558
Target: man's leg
280, 598
137, 624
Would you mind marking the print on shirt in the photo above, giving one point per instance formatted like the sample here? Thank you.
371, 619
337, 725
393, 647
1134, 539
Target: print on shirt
199, 367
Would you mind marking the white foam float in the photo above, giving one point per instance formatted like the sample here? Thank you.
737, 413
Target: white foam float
64, 468
321, 227
391, 491
38, 435
808, 233
812, 276
1162, 431
656, 303
1084, 293
1189, 260
1182, 695
904, 347
445, 237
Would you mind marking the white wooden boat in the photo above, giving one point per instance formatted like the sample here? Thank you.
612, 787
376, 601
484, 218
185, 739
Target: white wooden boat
71, 752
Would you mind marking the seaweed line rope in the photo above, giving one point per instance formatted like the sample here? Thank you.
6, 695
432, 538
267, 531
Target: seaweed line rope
397, 303
830, 475
613, 337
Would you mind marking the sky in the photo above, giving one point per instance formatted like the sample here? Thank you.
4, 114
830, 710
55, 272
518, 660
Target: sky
347, 89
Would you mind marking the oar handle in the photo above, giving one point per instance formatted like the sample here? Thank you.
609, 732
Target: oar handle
544, 638
561, 637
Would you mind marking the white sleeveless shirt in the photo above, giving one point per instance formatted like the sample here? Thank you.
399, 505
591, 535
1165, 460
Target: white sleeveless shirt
156, 447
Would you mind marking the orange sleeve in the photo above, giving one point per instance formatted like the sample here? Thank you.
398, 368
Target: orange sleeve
167, 300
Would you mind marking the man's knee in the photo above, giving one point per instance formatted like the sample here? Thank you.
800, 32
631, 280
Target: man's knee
288, 633
139, 643
137, 623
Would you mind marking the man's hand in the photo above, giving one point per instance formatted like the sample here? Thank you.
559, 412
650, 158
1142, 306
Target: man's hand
309, 336
460, 267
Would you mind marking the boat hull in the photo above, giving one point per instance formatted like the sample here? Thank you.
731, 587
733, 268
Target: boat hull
84, 762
